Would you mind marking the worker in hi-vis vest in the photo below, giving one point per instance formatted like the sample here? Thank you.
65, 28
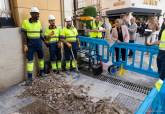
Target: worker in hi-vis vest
52, 36
96, 28
161, 55
32, 35
96, 31
69, 37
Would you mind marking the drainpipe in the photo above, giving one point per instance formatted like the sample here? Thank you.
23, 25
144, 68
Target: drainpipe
75, 9
62, 12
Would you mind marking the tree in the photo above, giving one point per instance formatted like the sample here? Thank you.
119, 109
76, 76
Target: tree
90, 11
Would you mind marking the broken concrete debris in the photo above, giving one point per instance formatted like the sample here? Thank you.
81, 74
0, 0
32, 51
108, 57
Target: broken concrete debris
68, 99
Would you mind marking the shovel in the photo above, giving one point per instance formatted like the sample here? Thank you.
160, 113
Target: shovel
77, 70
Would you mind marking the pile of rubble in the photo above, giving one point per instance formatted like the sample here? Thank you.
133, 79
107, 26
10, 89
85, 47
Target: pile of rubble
67, 99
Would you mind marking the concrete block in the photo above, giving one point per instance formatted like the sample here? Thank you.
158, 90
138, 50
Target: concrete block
11, 58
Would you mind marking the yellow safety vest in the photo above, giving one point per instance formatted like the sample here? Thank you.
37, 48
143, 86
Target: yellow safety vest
162, 41
70, 34
33, 29
55, 37
94, 27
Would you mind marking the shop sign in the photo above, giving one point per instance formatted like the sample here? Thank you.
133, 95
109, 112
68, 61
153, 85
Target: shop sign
119, 3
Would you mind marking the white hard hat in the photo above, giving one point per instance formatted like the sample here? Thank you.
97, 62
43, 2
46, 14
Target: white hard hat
51, 17
68, 19
34, 9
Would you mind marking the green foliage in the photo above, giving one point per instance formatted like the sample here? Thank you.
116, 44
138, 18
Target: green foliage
90, 11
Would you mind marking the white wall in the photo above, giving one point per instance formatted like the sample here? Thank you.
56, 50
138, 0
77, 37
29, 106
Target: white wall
4, 8
11, 58
68, 8
162, 5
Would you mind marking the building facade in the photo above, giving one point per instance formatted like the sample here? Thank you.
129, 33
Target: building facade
4, 8
108, 5
19, 10
68, 8
138, 7
84, 3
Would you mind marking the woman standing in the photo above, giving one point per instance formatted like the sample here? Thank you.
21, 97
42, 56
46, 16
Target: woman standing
132, 32
120, 34
152, 25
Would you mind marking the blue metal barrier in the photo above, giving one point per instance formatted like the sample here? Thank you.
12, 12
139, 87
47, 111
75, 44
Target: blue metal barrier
106, 48
94, 45
142, 49
154, 103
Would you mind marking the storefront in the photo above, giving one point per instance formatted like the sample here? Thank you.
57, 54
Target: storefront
139, 8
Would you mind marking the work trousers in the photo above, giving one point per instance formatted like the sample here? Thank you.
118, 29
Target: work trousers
34, 46
69, 57
161, 64
55, 56
131, 52
120, 54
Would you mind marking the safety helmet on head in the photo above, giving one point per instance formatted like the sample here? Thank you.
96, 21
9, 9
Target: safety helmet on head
68, 19
51, 17
34, 9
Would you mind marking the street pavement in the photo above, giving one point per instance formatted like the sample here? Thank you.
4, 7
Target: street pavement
10, 102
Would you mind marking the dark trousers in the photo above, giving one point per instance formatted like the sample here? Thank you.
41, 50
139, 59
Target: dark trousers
97, 51
55, 52
34, 46
67, 51
161, 64
122, 54
131, 52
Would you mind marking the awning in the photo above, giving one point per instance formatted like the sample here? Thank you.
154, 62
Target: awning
85, 18
135, 11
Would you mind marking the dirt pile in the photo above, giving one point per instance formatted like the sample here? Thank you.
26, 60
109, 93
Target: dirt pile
67, 99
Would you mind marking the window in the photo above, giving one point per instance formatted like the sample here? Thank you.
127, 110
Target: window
94, 2
81, 3
151, 2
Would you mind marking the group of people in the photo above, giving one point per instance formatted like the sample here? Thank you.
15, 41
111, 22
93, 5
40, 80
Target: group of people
126, 32
54, 37
57, 38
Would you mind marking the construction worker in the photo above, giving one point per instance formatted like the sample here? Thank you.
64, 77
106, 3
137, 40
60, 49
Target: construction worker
161, 55
52, 34
69, 37
96, 31
96, 28
32, 35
